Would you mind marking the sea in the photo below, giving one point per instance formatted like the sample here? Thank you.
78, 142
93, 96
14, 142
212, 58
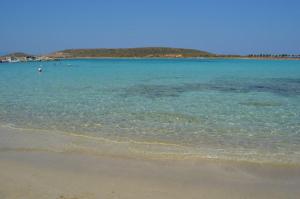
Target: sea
236, 109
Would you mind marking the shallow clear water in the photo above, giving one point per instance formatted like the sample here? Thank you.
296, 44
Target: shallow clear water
241, 109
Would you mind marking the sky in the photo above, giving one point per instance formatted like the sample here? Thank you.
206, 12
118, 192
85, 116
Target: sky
218, 26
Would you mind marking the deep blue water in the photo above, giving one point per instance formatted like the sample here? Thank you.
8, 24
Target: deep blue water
240, 108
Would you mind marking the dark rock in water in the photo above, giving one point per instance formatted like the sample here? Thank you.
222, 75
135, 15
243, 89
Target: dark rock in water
261, 103
278, 86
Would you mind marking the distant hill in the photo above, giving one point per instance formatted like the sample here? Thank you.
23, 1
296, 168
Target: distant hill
146, 52
131, 52
17, 54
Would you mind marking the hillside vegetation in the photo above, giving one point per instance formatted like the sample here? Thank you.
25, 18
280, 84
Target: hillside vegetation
131, 52
17, 54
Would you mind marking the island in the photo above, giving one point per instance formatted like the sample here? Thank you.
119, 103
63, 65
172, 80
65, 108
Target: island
142, 52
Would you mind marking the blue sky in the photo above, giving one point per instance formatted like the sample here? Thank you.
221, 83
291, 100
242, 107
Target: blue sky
231, 26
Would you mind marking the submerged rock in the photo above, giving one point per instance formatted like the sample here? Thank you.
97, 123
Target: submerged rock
261, 103
278, 86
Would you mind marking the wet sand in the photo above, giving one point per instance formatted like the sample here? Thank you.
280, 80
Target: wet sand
29, 170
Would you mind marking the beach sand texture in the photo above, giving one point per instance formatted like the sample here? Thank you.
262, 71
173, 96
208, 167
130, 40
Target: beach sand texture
30, 171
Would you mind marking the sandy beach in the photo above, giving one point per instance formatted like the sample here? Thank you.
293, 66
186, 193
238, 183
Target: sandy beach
30, 169
149, 100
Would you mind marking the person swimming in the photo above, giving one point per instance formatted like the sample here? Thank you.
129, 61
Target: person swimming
40, 69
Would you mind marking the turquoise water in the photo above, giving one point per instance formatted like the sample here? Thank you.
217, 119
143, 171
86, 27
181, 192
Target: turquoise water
241, 109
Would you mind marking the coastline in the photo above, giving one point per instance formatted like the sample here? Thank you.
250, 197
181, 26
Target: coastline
52, 59
67, 169
241, 58
139, 53
20, 139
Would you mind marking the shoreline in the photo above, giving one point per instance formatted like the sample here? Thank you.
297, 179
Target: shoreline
179, 58
53, 59
37, 165
20, 139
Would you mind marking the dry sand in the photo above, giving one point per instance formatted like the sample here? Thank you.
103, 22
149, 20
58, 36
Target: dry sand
29, 171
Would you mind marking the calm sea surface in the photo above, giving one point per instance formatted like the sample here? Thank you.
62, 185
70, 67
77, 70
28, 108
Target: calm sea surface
236, 109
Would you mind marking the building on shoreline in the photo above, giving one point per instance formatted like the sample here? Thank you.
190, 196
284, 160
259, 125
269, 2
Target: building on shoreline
12, 59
